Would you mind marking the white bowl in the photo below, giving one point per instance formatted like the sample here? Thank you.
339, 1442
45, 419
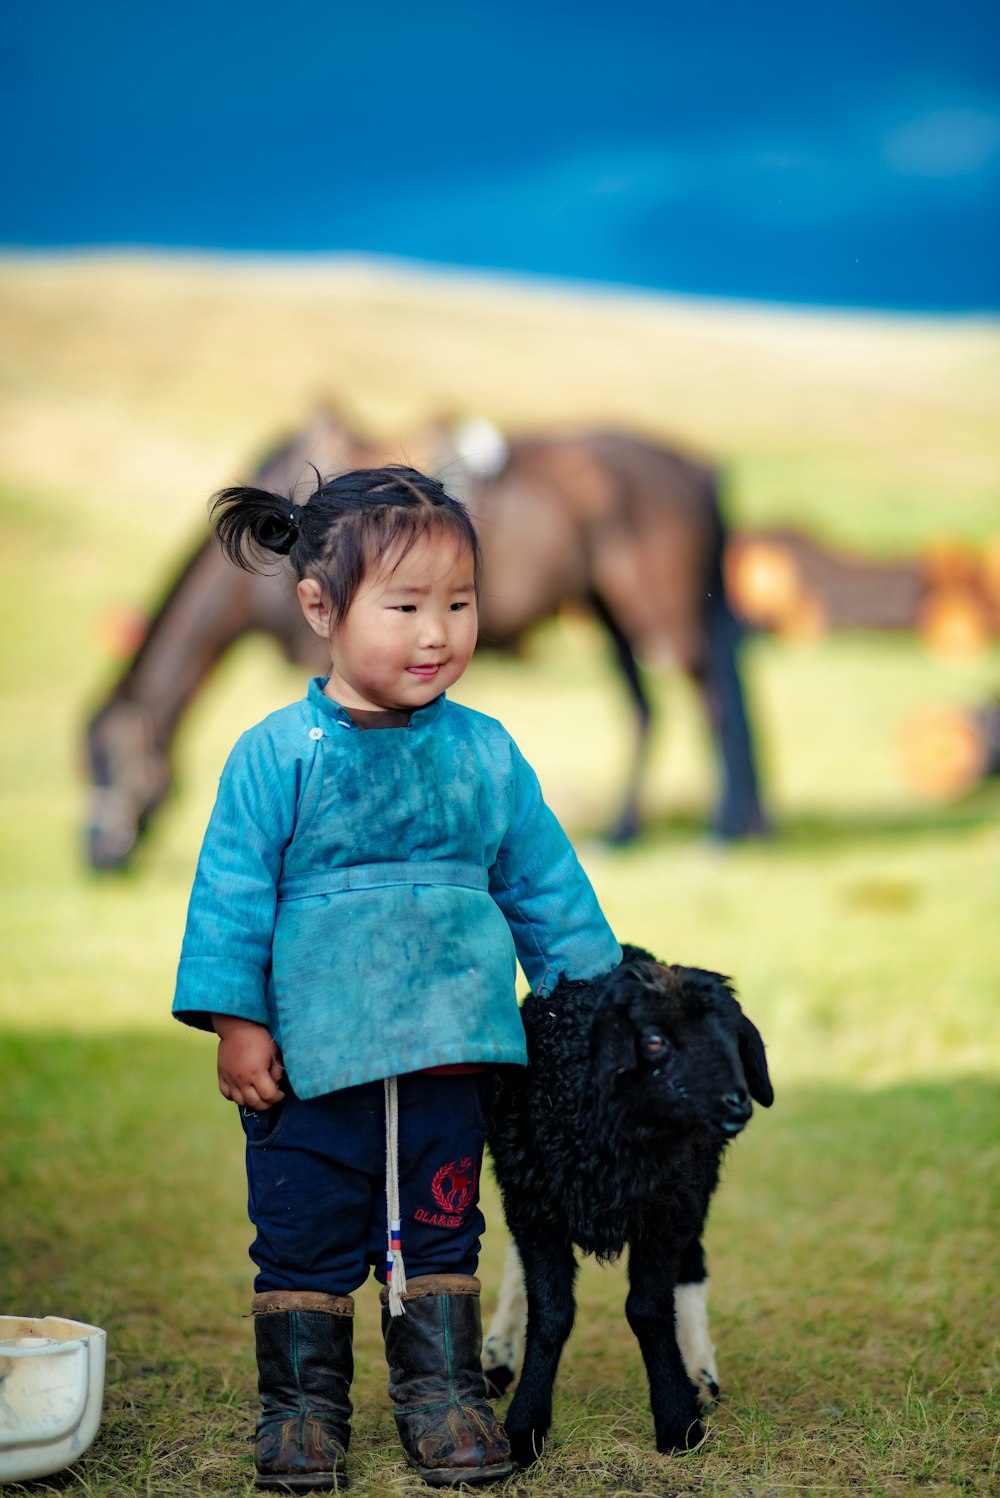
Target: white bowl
51, 1391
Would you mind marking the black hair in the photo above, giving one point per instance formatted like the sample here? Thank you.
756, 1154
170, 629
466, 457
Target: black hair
348, 524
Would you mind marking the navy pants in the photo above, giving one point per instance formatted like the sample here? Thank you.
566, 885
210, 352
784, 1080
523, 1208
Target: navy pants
316, 1182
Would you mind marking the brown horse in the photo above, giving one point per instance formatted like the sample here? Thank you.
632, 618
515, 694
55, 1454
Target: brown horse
623, 526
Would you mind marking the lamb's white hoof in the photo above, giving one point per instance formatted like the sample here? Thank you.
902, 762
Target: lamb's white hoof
707, 1389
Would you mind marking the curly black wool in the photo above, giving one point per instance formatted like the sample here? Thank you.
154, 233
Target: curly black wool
610, 1139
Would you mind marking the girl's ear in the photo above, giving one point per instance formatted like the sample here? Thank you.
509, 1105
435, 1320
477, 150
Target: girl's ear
314, 606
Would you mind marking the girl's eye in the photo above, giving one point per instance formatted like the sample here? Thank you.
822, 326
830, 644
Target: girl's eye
455, 607
407, 608
654, 1044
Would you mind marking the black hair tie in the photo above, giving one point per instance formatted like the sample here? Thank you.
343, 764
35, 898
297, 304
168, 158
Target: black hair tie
279, 531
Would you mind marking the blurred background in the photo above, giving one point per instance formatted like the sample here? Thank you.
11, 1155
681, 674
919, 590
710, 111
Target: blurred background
760, 247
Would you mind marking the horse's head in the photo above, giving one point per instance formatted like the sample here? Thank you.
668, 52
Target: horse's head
129, 775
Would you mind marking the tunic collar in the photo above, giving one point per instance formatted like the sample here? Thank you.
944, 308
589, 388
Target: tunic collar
330, 709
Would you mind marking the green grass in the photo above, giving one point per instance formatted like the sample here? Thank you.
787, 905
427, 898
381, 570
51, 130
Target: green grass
853, 1241
849, 1245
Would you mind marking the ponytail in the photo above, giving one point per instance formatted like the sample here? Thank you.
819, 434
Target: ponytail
250, 523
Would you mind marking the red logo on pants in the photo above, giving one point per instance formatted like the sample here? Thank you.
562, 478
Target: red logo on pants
454, 1185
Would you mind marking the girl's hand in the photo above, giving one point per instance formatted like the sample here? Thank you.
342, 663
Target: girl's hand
249, 1068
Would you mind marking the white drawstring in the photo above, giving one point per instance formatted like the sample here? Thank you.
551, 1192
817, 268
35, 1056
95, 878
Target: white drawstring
395, 1273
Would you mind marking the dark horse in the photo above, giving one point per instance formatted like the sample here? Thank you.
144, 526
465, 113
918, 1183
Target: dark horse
623, 526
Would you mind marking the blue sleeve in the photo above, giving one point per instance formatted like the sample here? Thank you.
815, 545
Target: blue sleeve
558, 927
226, 955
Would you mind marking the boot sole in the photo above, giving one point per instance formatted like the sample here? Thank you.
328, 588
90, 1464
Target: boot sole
320, 1483
454, 1477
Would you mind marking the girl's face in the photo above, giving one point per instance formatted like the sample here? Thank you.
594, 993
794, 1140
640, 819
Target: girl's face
409, 633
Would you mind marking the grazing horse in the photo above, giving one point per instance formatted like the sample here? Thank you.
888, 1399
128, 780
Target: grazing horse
208, 607
625, 527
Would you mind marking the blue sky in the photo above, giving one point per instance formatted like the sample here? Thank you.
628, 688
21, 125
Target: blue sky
843, 155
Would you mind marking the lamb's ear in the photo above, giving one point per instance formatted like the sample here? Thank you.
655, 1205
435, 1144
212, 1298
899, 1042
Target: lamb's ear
755, 1063
612, 1046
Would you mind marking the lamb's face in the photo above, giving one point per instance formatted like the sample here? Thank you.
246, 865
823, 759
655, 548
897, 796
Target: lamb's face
672, 1045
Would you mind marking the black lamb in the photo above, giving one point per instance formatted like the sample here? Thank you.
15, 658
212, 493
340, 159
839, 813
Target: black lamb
612, 1136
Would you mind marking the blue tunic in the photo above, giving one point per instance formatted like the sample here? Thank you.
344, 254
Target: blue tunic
364, 894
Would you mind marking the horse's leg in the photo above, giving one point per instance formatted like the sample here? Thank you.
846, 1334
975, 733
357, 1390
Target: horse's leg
549, 1275
628, 824
650, 1312
740, 813
505, 1337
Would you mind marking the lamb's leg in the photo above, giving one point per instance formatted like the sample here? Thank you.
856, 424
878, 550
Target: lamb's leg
691, 1320
505, 1337
650, 1312
549, 1274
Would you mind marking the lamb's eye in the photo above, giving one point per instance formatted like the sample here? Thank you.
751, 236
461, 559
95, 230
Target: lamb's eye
655, 1044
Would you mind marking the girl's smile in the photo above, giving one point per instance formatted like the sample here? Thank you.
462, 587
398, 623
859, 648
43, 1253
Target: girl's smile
409, 632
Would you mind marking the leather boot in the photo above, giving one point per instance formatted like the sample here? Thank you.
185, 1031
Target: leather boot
305, 1364
436, 1384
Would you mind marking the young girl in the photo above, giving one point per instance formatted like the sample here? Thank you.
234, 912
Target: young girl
376, 860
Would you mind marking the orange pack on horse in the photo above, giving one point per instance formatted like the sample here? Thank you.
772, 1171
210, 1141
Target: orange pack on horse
623, 526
